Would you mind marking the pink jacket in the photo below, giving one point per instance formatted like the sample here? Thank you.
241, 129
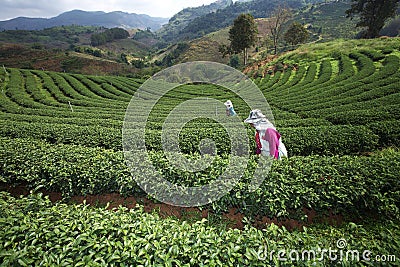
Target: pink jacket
272, 137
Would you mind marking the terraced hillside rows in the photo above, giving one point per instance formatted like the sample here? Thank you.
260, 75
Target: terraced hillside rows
336, 106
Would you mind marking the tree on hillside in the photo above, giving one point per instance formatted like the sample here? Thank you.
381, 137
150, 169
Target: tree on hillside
242, 35
296, 34
279, 17
373, 14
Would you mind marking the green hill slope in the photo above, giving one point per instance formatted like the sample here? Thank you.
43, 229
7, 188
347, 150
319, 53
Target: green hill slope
28, 57
336, 105
68, 48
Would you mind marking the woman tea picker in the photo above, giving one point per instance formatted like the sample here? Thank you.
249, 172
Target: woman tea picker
268, 139
229, 108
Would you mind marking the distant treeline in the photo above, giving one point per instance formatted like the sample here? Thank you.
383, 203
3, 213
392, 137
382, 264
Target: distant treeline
67, 34
108, 36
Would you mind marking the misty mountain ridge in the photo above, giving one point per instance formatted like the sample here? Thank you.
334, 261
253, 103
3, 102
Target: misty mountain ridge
86, 18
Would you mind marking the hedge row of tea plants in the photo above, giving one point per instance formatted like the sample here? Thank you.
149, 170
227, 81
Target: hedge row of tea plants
53, 79
339, 89
380, 109
348, 184
67, 94
108, 123
34, 232
52, 91
113, 87
95, 88
34, 88
80, 88
385, 76
118, 87
321, 140
359, 94
9, 106
49, 93
310, 84
377, 85
15, 91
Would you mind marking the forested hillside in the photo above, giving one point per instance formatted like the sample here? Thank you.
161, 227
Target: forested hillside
221, 18
179, 21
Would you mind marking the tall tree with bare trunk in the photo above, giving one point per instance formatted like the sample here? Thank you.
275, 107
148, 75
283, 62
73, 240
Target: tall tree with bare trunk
279, 17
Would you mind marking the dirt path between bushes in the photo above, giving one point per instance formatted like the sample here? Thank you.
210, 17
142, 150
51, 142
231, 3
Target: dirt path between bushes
233, 218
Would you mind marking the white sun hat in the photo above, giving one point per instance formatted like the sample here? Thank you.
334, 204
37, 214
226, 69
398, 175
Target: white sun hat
228, 104
255, 116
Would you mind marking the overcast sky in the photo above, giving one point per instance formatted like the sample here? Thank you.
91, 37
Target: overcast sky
50, 8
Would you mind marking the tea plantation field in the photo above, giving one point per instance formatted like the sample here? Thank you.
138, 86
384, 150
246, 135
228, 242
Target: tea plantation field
336, 105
